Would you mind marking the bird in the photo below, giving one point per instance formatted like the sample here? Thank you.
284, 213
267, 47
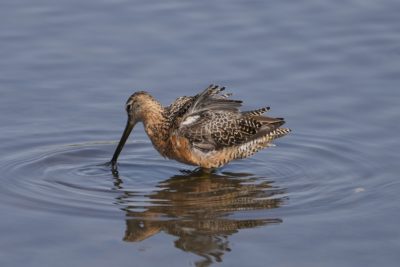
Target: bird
207, 130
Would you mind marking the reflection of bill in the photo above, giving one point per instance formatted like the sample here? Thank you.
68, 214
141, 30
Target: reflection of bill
199, 208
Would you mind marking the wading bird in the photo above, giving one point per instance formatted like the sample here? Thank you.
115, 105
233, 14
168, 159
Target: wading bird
206, 130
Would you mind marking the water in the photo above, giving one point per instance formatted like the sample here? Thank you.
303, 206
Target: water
327, 195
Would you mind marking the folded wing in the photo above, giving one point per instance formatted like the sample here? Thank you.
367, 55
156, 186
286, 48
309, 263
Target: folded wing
211, 121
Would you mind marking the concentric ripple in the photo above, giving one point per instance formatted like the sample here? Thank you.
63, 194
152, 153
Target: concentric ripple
73, 179
303, 175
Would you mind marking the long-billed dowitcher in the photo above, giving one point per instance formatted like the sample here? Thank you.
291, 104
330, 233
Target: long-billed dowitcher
206, 130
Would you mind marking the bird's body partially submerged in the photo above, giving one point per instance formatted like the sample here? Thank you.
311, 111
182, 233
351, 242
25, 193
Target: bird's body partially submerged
205, 130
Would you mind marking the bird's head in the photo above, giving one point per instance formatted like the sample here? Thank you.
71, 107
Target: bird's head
135, 108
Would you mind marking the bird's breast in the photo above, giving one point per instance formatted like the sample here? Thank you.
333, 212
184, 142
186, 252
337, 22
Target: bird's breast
180, 149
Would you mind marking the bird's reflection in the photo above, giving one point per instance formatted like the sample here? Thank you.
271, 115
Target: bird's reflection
201, 209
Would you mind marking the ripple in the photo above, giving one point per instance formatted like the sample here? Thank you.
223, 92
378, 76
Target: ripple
73, 179
305, 174
320, 174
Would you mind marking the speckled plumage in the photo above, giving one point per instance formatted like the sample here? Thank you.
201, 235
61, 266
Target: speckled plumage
206, 130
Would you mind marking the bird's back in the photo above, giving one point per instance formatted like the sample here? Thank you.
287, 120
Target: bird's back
209, 130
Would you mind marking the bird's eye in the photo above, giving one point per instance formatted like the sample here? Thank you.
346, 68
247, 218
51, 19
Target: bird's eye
128, 107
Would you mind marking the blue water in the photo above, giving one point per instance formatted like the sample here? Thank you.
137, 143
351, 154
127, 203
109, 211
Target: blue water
326, 195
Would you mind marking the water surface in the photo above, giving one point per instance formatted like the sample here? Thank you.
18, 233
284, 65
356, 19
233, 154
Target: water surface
326, 195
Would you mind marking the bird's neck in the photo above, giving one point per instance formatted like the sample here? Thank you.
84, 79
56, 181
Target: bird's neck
156, 124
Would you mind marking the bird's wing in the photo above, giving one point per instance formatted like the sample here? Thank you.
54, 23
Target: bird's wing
186, 107
211, 99
212, 121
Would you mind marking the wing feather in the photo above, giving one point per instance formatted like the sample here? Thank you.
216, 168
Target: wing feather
210, 99
211, 121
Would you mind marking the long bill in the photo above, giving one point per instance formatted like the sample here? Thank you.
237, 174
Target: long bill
124, 137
